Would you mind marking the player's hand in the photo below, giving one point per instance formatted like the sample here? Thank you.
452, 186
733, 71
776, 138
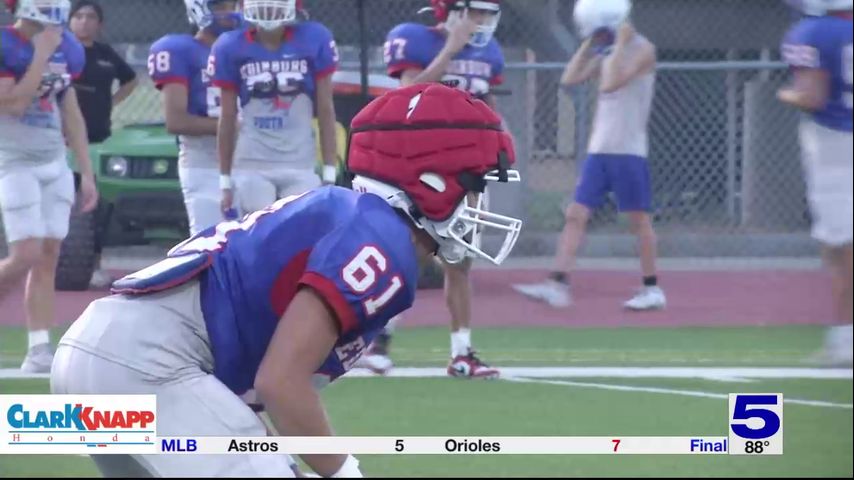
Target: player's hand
88, 193
46, 41
625, 33
460, 34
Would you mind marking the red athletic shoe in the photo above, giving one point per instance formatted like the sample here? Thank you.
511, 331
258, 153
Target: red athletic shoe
469, 366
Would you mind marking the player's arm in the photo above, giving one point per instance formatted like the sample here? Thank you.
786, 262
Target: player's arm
810, 84
225, 75
178, 120
327, 62
808, 90
620, 67
226, 131
583, 66
458, 37
326, 123
15, 97
74, 128
303, 339
128, 80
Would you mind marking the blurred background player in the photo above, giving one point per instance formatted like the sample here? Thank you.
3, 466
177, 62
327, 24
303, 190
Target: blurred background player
280, 70
623, 61
94, 88
461, 52
178, 65
38, 60
286, 300
818, 48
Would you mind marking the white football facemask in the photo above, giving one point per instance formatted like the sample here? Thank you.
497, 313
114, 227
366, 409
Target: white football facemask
270, 14
459, 236
46, 12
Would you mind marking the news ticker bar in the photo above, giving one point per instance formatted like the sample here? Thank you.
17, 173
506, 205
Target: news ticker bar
699, 445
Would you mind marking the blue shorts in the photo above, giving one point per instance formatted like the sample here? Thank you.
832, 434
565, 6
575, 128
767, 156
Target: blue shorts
625, 175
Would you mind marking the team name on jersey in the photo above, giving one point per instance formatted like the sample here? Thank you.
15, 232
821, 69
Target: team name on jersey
470, 67
275, 66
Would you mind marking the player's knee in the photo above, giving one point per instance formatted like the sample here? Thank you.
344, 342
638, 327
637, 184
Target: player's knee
25, 254
576, 215
640, 224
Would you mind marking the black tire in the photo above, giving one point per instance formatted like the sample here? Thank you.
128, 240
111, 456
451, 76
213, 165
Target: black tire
77, 256
430, 274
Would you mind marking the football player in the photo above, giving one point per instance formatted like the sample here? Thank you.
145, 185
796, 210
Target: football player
285, 300
623, 62
459, 51
38, 114
279, 70
818, 48
178, 65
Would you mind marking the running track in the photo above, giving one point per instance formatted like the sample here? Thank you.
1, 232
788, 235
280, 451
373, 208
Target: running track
707, 298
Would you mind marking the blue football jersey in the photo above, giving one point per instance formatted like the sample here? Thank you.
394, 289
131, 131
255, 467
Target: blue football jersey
473, 69
277, 89
825, 43
350, 248
181, 58
40, 127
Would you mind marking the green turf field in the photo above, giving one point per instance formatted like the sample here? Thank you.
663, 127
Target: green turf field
817, 419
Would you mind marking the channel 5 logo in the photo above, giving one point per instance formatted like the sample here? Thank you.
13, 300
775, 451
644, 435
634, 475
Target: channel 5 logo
756, 423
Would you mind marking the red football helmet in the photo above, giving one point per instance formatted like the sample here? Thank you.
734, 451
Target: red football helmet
429, 150
451, 11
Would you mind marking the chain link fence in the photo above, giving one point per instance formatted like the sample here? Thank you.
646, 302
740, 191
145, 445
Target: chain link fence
723, 152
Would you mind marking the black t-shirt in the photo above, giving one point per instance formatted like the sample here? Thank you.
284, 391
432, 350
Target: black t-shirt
95, 88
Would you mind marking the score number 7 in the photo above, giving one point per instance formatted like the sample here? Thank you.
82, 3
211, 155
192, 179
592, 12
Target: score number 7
616, 442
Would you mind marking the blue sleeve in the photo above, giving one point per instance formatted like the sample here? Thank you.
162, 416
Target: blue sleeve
357, 279
222, 69
406, 47
802, 46
168, 62
327, 55
75, 54
6, 64
497, 67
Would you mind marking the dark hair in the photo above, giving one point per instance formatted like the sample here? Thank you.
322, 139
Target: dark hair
99, 11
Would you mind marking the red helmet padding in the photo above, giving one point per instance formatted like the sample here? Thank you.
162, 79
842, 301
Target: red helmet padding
400, 157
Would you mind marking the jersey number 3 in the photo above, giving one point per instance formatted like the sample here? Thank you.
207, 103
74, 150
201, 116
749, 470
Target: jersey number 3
363, 272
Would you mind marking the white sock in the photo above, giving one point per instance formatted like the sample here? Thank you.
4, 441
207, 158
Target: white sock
460, 342
390, 326
38, 337
840, 336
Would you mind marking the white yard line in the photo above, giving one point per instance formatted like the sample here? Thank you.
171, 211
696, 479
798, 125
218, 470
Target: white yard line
726, 374
669, 391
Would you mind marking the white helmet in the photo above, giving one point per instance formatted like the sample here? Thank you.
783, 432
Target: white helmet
199, 13
50, 12
271, 14
820, 7
592, 15
429, 151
